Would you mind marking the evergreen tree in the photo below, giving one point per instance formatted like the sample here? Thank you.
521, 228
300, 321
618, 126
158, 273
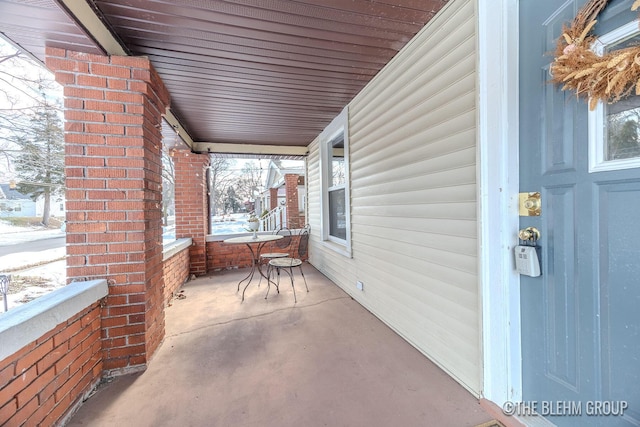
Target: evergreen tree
40, 164
623, 140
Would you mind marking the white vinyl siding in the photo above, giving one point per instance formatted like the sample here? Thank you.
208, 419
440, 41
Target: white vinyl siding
413, 188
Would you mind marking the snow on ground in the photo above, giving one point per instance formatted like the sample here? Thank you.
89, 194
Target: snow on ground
37, 275
40, 275
10, 235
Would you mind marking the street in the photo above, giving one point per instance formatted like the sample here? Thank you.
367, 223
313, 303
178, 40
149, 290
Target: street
33, 246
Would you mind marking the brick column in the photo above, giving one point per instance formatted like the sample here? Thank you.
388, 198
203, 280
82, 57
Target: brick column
273, 201
293, 211
192, 205
113, 108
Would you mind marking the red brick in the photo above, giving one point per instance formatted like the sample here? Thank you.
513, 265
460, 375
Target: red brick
62, 392
22, 380
105, 151
52, 357
124, 331
83, 138
73, 103
68, 358
74, 92
65, 78
88, 116
111, 70
86, 271
125, 119
131, 61
94, 81
87, 57
107, 259
106, 238
126, 309
125, 97
126, 351
106, 216
64, 64
65, 334
34, 356
86, 184
61, 408
125, 162
23, 413
86, 249
6, 375
117, 84
52, 52
38, 416
35, 387
86, 227
104, 106
8, 410
104, 129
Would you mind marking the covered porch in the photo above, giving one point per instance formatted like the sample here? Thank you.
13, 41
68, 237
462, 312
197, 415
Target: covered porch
386, 93
323, 361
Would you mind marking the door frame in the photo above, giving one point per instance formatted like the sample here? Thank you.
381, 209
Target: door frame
498, 179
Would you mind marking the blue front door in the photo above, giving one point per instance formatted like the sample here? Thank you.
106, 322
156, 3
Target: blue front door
581, 318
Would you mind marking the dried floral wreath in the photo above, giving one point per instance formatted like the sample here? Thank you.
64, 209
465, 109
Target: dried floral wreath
605, 78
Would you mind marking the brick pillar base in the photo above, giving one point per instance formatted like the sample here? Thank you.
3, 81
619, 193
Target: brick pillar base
113, 113
192, 205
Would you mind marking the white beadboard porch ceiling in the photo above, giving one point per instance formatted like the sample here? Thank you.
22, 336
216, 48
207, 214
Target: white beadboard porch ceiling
247, 76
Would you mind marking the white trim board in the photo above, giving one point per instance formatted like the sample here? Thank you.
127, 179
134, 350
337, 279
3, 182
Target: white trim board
498, 175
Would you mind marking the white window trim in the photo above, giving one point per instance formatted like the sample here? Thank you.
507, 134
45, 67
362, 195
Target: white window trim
340, 124
597, 163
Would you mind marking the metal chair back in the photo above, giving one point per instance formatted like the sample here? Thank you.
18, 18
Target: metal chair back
286, 240
303, 245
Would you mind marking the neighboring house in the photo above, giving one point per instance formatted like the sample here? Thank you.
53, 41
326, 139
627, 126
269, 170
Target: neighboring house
284, 192
15, 204
56, 208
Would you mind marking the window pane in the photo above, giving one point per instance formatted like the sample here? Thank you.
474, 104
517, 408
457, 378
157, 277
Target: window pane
337, 220
622, 136
337, 171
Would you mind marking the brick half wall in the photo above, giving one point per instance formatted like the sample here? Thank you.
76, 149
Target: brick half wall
221, 256
175, 269
49, 376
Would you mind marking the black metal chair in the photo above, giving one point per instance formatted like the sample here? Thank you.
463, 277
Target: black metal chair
287, 264
280, 244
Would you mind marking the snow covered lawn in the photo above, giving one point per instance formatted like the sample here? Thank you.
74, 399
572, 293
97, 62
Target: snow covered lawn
32, 273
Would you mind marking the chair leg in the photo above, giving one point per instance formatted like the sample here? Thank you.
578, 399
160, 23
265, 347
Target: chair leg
269, 272
295, 299
268, 281
305, 279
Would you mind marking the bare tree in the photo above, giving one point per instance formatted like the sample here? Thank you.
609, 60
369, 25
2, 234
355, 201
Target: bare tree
168, 186
221, 177
250, 181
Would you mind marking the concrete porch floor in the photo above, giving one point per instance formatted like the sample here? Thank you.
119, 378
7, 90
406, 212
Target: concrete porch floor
325, 361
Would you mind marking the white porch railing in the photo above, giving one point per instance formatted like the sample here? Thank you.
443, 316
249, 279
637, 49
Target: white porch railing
276, 218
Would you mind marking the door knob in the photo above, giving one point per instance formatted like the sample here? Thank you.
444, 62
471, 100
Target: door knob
529, 234
530, 204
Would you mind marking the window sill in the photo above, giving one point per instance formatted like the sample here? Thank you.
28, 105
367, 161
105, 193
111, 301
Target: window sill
337, 247
171, 249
